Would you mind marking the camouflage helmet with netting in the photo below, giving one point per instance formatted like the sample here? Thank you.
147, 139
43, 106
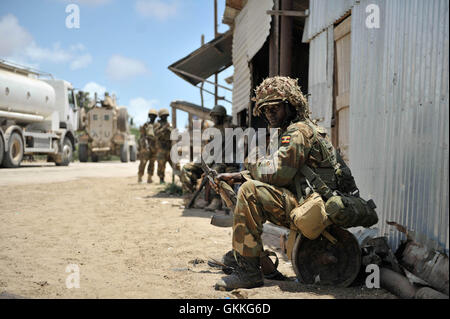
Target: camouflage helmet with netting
163, 112
218, 110
153, 112
280, 89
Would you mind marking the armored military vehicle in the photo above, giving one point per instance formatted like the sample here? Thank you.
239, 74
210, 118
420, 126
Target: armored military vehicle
106, 132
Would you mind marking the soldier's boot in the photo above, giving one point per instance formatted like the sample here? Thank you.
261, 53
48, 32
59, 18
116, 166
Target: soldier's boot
149, 179
161, 180
216, 203
139, 178
246, 275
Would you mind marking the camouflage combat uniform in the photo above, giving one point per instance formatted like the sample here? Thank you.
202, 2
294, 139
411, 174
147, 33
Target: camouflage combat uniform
147, 149
163, 130
192, 172
272, 196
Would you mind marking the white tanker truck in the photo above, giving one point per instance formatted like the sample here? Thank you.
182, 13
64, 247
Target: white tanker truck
37, 116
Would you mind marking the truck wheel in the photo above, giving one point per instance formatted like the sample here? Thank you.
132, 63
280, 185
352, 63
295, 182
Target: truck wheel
122, 120
133, 153
2, 150
124, 153
83, 153
14, 152
66, 153
94, 157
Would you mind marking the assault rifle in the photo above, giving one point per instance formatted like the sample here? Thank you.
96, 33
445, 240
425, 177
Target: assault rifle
225, 191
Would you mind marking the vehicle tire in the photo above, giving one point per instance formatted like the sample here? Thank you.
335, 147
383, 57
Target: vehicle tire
94, 157
133, 153
2, 150
124, 153
13, 154
122, 119
66, 153
83, 153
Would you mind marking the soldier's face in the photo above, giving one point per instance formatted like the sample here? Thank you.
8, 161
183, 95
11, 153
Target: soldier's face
164, 118
217, 119
275, 114
152, 118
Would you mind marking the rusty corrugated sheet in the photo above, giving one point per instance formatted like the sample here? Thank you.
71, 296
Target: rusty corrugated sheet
252, 27
399, 109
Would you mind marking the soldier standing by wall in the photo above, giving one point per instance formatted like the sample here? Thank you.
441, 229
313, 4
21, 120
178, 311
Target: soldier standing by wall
163, 129
147, 146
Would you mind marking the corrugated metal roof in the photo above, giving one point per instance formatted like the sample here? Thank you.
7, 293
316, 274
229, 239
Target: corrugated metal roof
399, 108
323, 13
252, 27
210, 58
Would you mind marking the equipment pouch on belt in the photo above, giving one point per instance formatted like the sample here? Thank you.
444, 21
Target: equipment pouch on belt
310, 217
351, 211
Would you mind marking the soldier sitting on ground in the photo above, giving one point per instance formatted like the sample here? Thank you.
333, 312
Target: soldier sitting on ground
192, 172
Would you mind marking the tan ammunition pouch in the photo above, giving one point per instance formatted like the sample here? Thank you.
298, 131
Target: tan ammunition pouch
311, 219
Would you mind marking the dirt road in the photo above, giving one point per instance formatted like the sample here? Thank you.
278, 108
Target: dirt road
127, 240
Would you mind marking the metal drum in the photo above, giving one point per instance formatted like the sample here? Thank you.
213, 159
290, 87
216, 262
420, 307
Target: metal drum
322, 262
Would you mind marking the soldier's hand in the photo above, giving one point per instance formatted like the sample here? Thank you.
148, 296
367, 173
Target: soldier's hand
230, 178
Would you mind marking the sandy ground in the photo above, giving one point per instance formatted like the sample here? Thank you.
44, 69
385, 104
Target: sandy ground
127, 239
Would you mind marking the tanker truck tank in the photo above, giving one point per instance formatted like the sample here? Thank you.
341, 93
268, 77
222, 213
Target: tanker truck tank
22, 94
37, 116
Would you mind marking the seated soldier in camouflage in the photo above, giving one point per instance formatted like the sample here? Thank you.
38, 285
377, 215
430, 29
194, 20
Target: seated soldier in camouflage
271, 195
191, 172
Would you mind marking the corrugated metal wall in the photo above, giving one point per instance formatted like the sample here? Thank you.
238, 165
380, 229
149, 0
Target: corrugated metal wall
252, 27
320, 78
323, 13
399, 109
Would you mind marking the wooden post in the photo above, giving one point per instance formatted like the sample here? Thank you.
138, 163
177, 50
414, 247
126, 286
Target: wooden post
286, 40
274, 46
216, 89
174, 117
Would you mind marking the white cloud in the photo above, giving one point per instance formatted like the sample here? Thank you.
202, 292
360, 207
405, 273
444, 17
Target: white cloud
122, 68
156, 9
13, 37
55, 54
93, 88
138, 109
81, 62
17, 44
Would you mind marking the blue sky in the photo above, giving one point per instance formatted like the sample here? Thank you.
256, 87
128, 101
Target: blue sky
122, 46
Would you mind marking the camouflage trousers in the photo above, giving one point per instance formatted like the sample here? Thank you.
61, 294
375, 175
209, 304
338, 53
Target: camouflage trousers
145, 158
190, 173
256, 203
163, 157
